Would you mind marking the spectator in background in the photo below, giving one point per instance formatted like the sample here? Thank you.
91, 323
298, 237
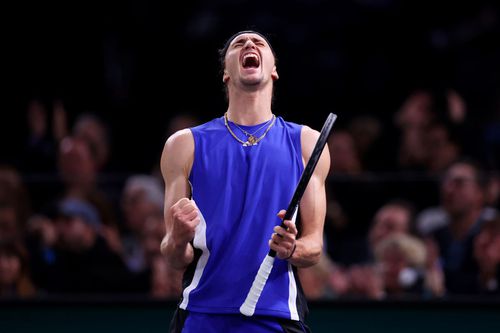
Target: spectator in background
181, 121
397, 263
41, 239
344, 156
165, 281
84, 263
10, 227
395, 217
14, 271
40, 149
45, 131
152, 234
142, 198
493, 190
366, 132
487, 256
78, 169
442, 148
412, 120
14, 194
401, 260
91, 129
325, 280
176, 123
455, 225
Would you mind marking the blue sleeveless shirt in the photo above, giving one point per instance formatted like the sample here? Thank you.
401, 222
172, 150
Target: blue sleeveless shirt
239, 190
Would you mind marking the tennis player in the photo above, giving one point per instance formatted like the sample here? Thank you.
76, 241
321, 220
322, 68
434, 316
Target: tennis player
227, 182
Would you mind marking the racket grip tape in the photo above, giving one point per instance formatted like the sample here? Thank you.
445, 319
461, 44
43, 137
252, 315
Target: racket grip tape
248, 307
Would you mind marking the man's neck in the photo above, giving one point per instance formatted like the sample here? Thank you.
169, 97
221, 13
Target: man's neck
249, 108
460, 225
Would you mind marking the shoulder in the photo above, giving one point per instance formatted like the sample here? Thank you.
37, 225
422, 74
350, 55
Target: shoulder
178, 150
214, 124
307, 133
289, 125
180, 140
308, 137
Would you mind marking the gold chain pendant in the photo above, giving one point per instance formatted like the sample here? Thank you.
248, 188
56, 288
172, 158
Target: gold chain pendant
252, 140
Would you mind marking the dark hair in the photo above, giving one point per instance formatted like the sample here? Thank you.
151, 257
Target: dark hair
481, 178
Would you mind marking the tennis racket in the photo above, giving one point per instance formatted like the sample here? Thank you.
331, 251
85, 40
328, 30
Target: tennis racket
248, 307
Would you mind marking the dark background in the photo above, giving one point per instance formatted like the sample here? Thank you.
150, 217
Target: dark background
138, 63
109, 315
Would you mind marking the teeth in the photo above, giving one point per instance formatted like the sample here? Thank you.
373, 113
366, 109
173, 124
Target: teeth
249, 55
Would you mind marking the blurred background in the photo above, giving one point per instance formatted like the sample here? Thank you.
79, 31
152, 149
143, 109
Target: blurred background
93, 89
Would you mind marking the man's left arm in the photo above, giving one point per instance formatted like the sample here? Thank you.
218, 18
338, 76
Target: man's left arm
306, 250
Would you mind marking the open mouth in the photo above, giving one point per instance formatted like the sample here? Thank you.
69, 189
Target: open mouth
250, 60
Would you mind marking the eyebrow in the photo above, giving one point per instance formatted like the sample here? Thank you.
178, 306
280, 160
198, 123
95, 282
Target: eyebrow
253, 38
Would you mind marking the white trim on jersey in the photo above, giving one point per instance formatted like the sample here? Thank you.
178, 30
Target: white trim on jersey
292, 286
199, 242
292, 294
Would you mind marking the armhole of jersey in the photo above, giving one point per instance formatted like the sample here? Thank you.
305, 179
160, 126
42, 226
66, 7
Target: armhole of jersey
302, 160
191, 187
190, 176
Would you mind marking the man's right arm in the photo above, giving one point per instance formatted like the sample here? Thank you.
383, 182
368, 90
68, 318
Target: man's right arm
180, 213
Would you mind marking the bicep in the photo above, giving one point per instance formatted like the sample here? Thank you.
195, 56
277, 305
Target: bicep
313, 203
176, 162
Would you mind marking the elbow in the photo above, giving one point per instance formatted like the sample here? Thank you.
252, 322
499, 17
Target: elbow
316, 256
310, 255
317, 251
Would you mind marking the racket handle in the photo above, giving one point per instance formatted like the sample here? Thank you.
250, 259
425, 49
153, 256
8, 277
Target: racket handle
248, 307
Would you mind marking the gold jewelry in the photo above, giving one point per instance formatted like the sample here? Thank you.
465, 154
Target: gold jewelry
251, 136
251, 139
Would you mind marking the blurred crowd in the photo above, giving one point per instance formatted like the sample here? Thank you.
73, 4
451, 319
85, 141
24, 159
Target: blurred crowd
412, 209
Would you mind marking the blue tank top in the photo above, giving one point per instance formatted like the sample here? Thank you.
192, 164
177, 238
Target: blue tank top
239, 190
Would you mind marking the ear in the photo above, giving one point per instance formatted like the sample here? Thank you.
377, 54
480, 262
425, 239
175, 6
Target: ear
225, 77
274, 74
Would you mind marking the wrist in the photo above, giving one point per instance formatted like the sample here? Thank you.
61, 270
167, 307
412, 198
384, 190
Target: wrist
292, 252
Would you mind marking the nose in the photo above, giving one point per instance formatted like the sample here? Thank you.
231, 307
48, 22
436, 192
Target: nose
249, 44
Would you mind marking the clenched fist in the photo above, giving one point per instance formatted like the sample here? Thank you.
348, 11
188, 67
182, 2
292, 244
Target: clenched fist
185, 218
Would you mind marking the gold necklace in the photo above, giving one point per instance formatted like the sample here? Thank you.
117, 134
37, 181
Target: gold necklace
251, 139
251, 136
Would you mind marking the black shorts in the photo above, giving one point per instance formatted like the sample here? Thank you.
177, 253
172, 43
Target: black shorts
188, 322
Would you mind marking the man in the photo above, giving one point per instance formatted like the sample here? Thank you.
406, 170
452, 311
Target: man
240, 170
81, 261
487, 256
395, 217
391, 220
463, 201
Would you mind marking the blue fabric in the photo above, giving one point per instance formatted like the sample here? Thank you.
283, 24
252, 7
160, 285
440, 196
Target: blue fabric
213, 323
239, 190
